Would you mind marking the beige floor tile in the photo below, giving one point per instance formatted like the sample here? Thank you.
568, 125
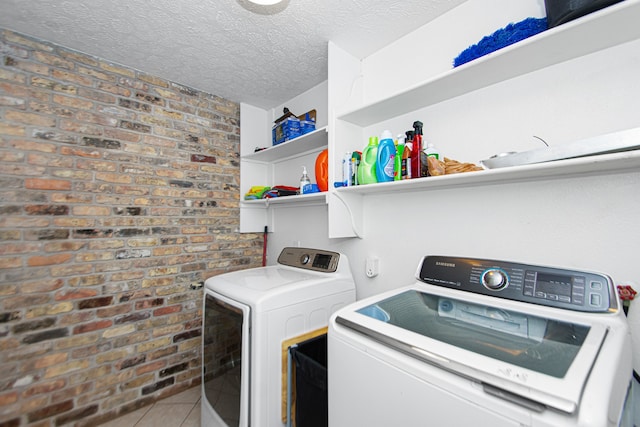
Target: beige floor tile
193, 419
191, 395
129, 419
166, 415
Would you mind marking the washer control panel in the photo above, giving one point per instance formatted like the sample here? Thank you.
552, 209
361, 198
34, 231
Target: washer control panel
310, 259
555, 287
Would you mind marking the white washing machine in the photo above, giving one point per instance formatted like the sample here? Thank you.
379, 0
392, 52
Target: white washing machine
483, 343
246, 317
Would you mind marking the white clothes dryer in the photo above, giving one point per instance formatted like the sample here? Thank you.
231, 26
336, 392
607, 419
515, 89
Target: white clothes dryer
246, 317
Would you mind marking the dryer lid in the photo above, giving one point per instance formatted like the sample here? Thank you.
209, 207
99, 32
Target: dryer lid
525, 355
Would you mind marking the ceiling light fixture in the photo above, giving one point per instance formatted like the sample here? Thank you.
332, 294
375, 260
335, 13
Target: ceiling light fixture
265, 2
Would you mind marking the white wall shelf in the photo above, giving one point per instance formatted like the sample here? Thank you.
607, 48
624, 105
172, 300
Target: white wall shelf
304, 199
309, 142
606, 28
593, 165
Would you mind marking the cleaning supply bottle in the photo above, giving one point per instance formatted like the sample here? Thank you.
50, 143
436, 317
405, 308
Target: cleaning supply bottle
416, 160
355, 164
397, 170
304, 179
428, 150
347, 170
431, 151
385, 160
367, 168
322, 170
406, 162
406, 156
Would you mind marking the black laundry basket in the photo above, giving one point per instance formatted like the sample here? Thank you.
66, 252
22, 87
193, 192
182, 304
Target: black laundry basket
310, 359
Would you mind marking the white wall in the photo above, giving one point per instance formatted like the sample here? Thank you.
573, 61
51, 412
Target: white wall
585, 223
313, 99
429, 51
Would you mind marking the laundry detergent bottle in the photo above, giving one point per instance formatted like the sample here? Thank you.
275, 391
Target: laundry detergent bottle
367, 168
385, 160
397, 170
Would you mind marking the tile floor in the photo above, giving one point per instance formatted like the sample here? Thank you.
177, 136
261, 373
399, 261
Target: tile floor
179, 410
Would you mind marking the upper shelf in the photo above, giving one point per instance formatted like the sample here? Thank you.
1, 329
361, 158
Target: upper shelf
303, 144
606, 28
592, 165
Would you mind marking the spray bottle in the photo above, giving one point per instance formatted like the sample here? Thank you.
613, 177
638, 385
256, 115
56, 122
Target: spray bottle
416, 160
385, 160
406, 156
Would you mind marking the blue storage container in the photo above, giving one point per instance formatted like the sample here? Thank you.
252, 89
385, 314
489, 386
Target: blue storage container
285, 130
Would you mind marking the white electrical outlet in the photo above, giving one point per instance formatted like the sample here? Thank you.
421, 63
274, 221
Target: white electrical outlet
372, 266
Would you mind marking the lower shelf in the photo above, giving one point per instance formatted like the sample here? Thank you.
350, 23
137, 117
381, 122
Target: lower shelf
304, 199
603, 164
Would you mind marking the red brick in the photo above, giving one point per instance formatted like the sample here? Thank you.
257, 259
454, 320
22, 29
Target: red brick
75, 294
94, 302
13, 130
167, 310
46, 387
30, 119
72, 77
45, 285
13, 262
89, 327
151, 367
43, 147
73, 102
8, 398
38, 261
50, 411
47, 184
149, 303
91, 210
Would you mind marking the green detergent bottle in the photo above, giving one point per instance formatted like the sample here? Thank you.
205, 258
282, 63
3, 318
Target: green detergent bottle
397, 170
367, 168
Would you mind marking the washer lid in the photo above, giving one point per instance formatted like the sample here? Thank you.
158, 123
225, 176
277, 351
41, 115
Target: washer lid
533, 355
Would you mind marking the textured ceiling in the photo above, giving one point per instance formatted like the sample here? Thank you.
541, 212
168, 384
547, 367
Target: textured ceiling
261, 55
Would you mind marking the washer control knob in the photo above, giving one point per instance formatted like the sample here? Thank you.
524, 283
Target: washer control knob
304, 259
494, 279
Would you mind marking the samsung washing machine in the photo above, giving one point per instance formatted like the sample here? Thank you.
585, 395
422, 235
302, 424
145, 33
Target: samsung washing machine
246, 317
483, 343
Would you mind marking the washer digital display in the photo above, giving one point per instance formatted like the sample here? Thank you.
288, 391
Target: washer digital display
322, 261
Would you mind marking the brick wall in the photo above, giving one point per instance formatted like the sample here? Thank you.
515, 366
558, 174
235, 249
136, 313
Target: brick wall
119, 197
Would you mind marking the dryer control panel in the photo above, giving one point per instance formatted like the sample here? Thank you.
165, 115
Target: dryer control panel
310, 259
555, 287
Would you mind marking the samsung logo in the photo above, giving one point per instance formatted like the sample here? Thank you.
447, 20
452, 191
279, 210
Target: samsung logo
445, 264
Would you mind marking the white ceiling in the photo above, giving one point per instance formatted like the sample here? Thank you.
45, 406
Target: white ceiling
261, 55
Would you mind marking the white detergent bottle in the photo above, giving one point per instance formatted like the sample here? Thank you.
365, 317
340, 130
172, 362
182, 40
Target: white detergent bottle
431, 151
